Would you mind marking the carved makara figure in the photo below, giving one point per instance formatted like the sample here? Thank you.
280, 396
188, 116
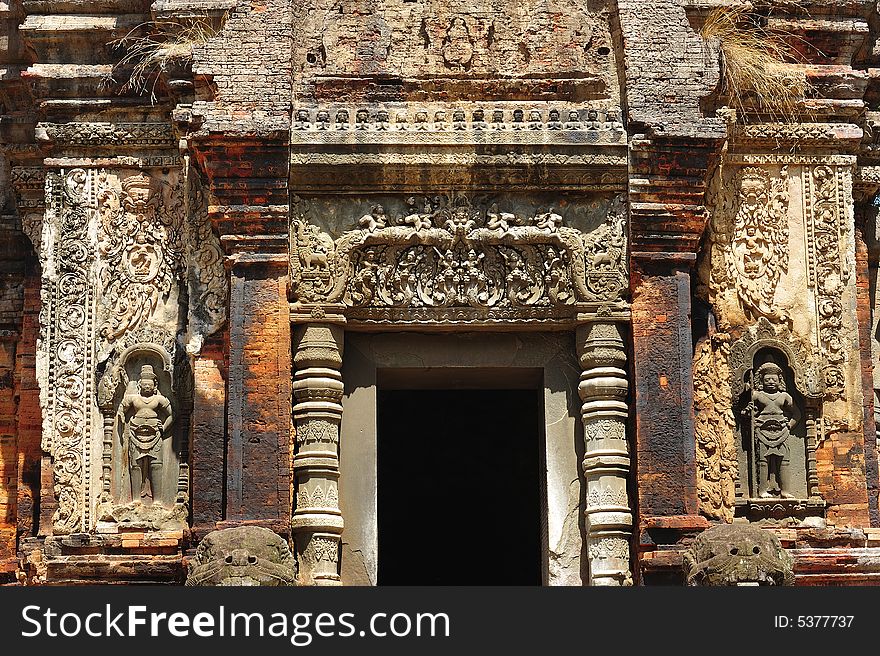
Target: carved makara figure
145, 416
774, 415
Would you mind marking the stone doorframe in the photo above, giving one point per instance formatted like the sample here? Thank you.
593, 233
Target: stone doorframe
320, 396
443, 230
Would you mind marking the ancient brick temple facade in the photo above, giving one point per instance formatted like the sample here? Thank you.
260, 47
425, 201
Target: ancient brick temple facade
234, 234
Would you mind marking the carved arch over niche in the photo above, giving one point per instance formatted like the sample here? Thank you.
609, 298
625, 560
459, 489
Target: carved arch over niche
763, 343
448, 259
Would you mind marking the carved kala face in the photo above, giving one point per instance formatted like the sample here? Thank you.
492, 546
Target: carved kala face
738, 554
753, 191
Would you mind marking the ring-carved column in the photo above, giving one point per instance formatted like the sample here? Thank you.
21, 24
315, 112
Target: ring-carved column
317, 412
603, 390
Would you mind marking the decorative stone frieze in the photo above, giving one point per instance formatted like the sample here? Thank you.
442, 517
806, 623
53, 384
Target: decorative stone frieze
116, 247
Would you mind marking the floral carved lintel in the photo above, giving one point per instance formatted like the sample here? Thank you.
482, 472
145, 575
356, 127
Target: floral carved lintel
446, 260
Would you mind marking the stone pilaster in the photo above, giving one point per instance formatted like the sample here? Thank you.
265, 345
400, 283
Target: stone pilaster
317, 389
603, 389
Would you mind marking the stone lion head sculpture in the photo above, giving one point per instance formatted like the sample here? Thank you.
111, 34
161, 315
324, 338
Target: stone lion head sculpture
738, 554
242, 556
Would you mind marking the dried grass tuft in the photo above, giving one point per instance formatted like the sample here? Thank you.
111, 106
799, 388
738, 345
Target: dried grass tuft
759, 68
165, 45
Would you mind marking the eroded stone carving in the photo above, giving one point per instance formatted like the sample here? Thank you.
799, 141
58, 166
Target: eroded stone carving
114, 249
829, 270
208, 285
67, 331
777, 403
606, 464
738, 554
758, 243
714, 428
141, 247
145, 415
242, 556
445, 253
774, 415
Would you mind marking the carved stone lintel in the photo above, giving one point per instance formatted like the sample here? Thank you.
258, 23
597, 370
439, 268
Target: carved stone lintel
317, 389
603, 390
444, 256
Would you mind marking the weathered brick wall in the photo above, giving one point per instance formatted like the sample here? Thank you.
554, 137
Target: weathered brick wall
664, 404
249, 65
13, 263
209, 429
260, 395
29, 420
669, 68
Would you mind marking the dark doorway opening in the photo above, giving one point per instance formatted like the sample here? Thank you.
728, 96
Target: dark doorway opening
460, 487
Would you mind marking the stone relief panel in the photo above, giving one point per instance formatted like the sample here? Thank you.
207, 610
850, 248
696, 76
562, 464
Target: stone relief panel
452, 258
756, 240
117, 248
780, 259
714, 428
776, 397
432, 38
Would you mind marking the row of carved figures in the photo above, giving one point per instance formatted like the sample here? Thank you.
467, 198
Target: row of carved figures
499, 119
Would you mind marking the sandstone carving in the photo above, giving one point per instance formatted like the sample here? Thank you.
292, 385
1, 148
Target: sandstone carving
67, 333
145, 415
774, 415
242, 556
141, 246
738, 555
829, 270
777, 401
759, 242
714, 428
446, 253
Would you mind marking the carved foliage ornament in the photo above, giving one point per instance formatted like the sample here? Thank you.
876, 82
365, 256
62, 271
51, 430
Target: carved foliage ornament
141, 246
67, 331
714, 428
829, 272
445, 253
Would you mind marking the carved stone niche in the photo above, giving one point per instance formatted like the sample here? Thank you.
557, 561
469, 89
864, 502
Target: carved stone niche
777, 406
143, 455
